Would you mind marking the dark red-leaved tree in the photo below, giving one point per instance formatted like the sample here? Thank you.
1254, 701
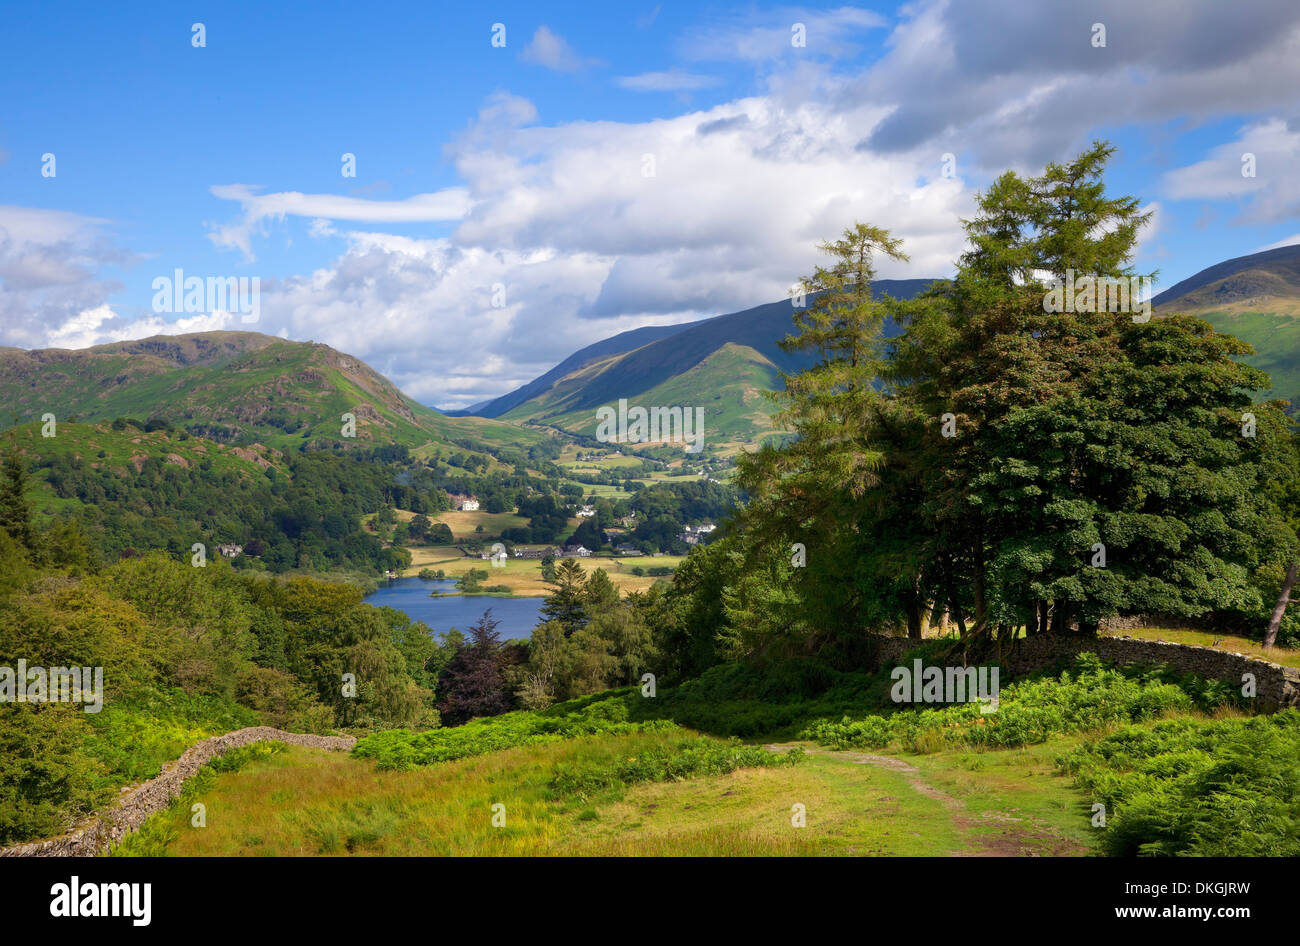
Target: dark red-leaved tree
472, 683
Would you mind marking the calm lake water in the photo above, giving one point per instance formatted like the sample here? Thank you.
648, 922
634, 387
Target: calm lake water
518, 616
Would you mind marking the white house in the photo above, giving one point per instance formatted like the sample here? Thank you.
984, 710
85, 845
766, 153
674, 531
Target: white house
469, 505
586, 512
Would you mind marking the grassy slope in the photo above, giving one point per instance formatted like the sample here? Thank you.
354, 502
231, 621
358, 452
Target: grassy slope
1257, 299
305, 802
1274, 333
956, 801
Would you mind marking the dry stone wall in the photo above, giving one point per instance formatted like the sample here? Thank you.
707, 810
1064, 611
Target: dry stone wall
1277, 687
101, 832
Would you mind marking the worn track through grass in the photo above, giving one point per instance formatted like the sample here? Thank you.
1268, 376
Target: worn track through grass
967, 826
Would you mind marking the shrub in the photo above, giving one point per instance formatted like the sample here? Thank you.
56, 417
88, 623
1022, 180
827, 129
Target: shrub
1209, 788
668, 763
403, 749
1031, 710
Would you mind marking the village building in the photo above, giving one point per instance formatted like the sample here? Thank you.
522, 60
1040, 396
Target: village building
537, 553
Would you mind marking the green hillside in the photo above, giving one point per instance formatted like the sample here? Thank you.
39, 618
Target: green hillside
1257, 299
728, 383
236, 387
126, 451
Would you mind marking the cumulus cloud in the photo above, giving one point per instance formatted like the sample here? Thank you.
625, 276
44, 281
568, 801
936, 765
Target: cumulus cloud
50, 264
1016, 83
101, 324
568, 239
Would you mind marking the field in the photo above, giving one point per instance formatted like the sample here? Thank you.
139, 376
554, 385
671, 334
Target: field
524, 576
463, 525
305, 802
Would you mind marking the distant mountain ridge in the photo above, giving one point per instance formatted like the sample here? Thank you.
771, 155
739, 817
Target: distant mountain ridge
1232, 280
614, 345
723, 363
236, 387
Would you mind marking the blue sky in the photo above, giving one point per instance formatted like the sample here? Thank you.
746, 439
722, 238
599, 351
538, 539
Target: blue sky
518, 174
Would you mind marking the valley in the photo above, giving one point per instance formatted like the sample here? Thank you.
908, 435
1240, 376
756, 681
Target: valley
550, 640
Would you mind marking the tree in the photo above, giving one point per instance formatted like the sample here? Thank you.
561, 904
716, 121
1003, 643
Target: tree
567, 604
1017, 464
816, 489
418, 527
472, 683
15, 510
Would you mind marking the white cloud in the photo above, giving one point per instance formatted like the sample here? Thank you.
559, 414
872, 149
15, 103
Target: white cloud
674, 80
50, 264
1271, 195
553, 51
83, 329
449, 204
585, 246
101, 325
768, 35
1016, 83
1292, 240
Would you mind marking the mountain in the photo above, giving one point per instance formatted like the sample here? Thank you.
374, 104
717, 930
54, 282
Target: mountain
235, 387
723, 364
1257, 299
614, 345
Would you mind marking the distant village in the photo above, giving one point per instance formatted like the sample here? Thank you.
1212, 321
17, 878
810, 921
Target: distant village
615, 538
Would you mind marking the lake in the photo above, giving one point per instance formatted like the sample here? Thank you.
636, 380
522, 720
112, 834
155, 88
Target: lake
518, 616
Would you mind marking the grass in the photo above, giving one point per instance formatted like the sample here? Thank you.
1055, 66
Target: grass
305, 802
611, 774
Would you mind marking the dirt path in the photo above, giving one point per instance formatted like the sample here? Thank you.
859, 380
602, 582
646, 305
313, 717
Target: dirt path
965, 823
